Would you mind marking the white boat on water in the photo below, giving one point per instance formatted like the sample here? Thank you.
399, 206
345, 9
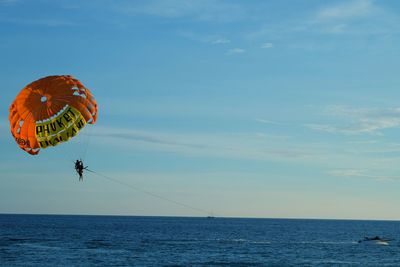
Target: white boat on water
375, 240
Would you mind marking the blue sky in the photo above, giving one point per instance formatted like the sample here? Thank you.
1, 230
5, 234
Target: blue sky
244, 108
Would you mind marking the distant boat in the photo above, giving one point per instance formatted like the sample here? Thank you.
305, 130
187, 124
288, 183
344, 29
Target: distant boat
210, 217
375, 240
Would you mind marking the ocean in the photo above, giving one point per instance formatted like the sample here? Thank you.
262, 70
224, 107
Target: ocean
65, 240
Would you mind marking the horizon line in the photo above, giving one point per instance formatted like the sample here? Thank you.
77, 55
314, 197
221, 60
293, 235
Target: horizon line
193, 216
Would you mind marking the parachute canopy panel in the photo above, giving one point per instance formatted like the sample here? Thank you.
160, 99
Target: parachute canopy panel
50, 111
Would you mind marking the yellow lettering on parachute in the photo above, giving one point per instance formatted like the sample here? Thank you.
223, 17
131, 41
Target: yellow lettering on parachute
60, 128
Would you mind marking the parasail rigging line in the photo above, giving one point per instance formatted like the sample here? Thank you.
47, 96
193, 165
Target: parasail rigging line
152, 194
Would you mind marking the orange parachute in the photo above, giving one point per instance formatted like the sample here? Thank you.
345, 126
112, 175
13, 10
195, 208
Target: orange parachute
49, 111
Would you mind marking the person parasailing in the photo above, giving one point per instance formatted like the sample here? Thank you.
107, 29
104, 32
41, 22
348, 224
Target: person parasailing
79, 168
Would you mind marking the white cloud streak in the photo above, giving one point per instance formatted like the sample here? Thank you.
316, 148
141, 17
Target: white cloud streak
267, 45
40, 22
221, 41
363, 174
267, 121
205, 10
347, 10
360, 120
235, 51
214, 39
360, 17
251, 146
8, 2
355, 18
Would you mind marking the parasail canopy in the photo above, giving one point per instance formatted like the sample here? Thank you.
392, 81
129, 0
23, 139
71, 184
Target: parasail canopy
50, 111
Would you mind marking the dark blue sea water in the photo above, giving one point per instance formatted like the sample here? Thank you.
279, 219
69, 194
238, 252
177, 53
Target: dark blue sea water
46, 240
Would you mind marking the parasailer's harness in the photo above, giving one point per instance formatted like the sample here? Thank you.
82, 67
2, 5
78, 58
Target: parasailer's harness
209, 213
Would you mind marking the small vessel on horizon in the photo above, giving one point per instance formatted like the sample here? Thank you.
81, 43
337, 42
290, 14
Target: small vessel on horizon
375, 240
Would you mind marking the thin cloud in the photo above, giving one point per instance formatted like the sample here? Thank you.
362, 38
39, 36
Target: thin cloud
361, 17
149, 138
357, 17
339, 28
235, 51
221, 41
205, 10
213, 39
255, 146
359, 120
8, 2
40, 22
347, 10
348, 130
267, 45
267, 121
357, 173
